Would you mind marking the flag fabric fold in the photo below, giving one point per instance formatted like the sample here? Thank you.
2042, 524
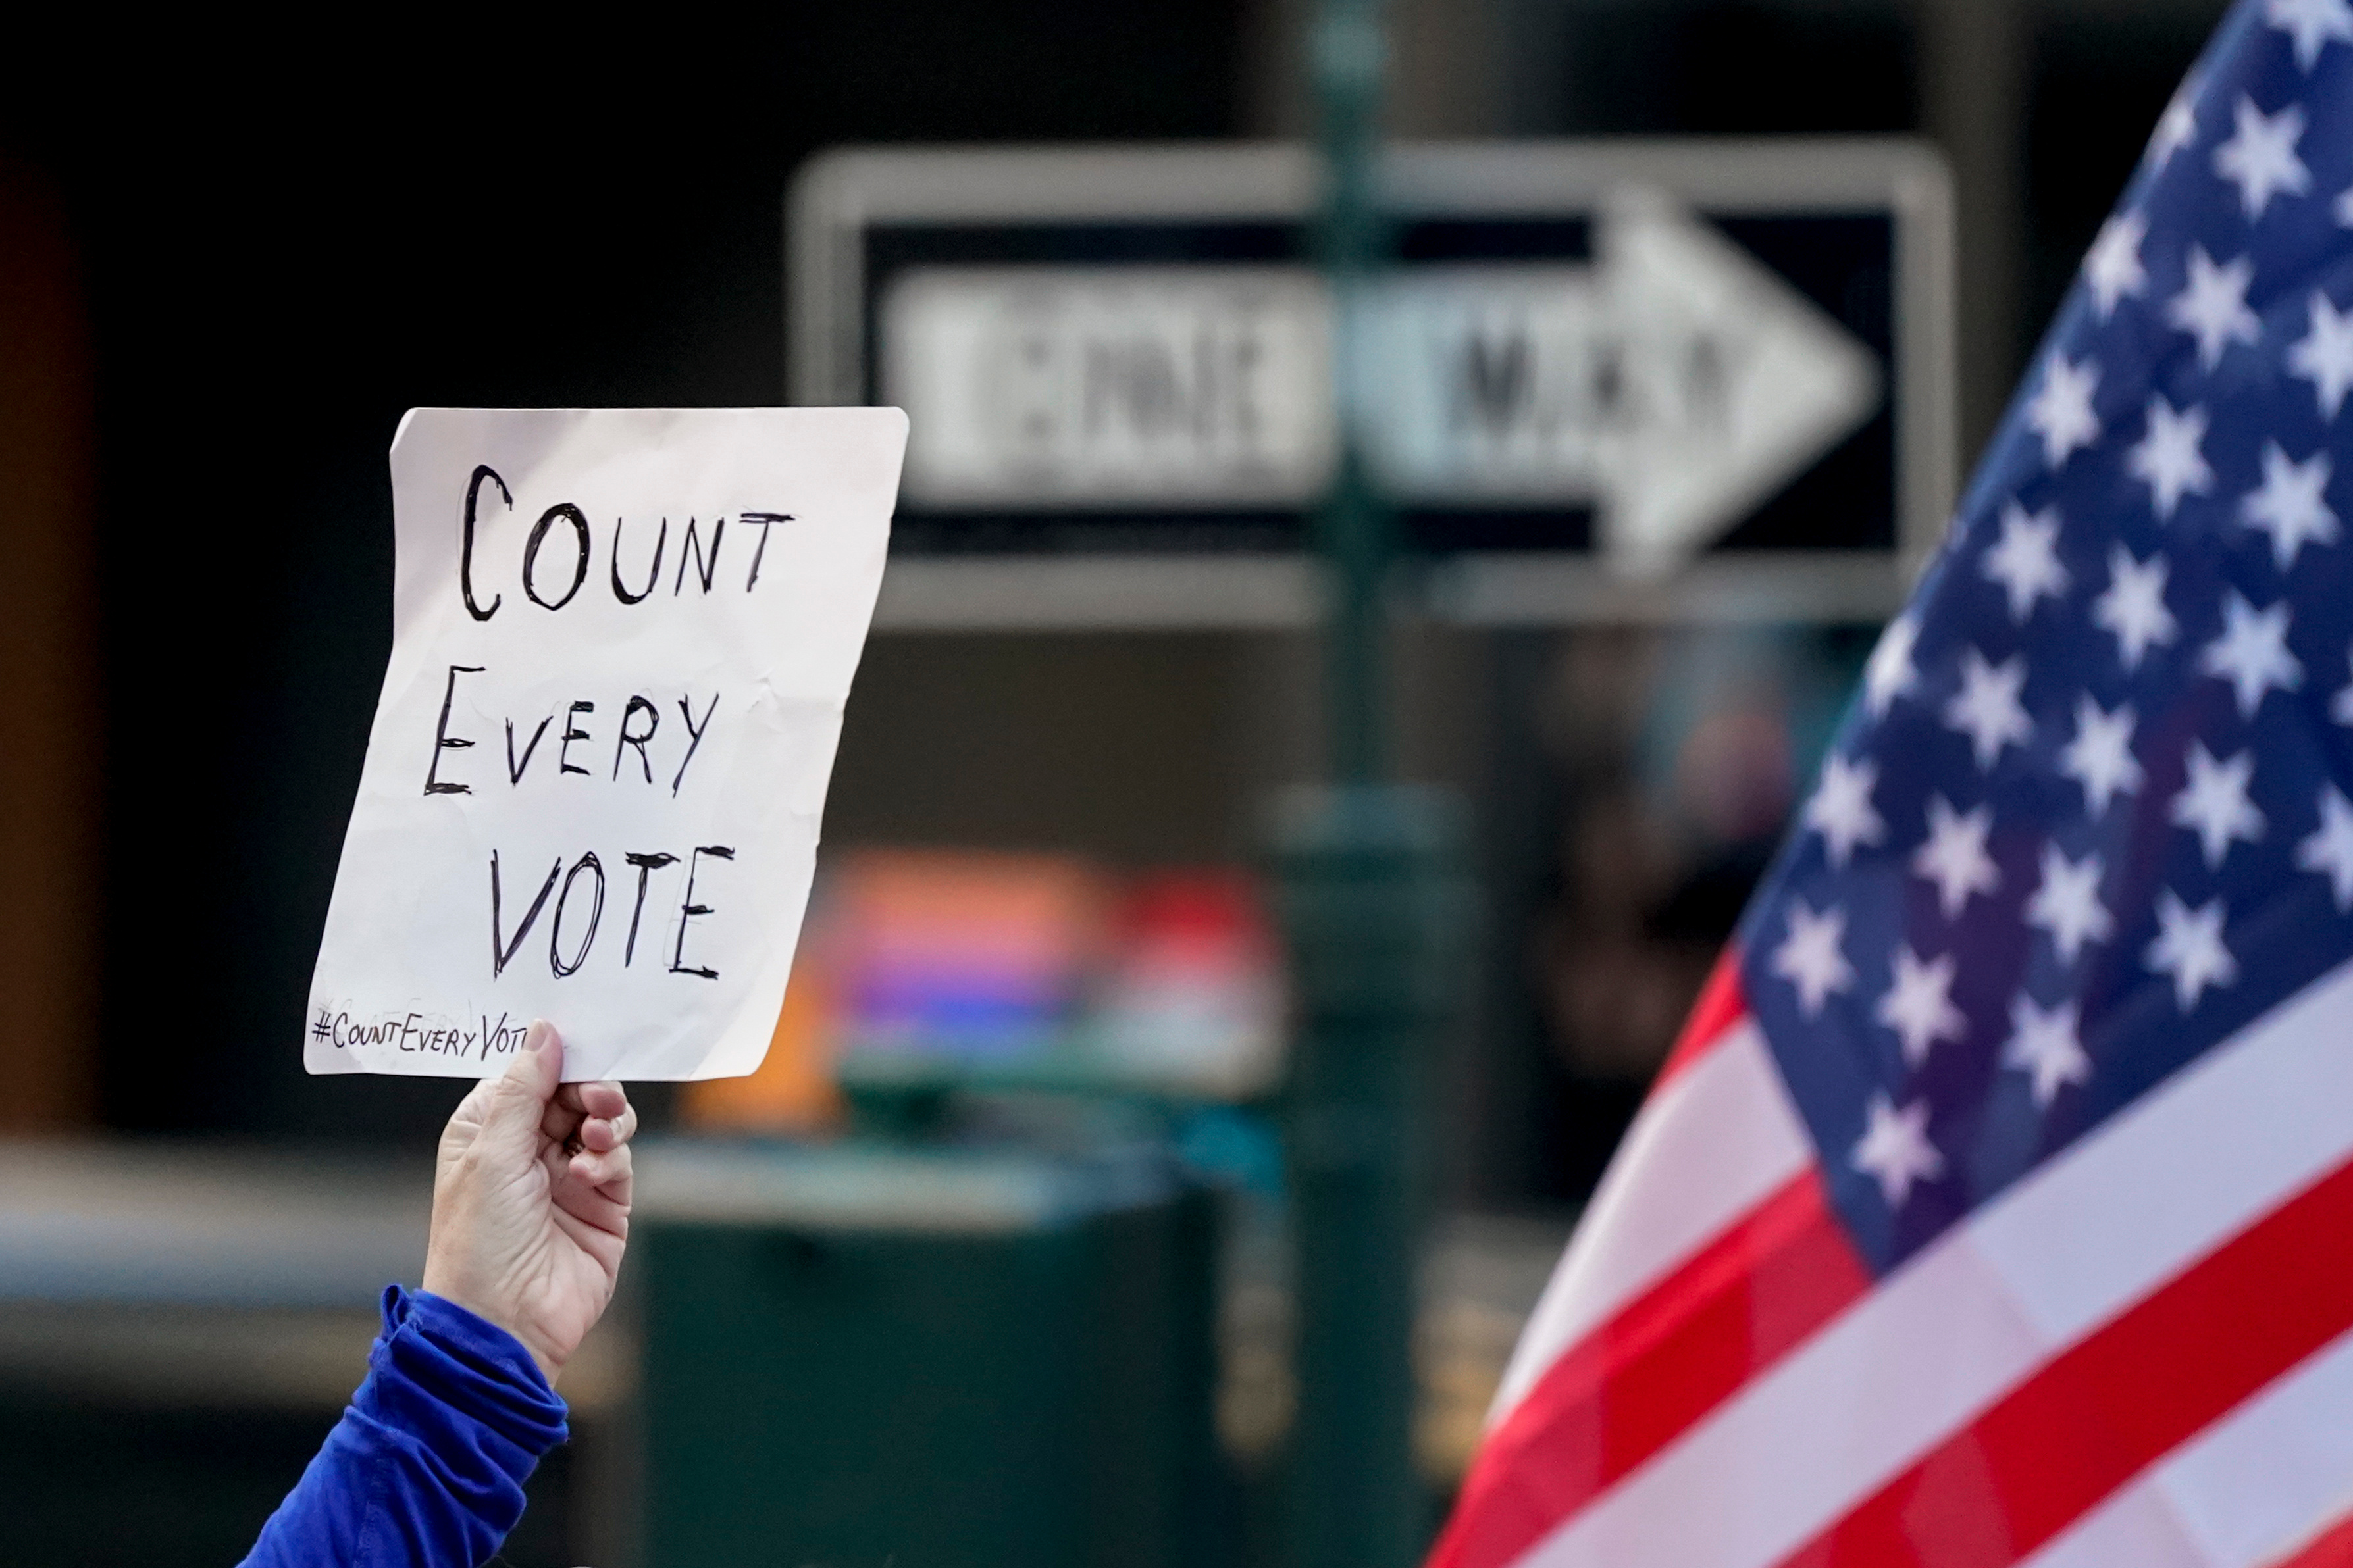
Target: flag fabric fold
1997, 1206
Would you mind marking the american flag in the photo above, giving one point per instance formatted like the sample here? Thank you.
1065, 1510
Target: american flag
1997, 1205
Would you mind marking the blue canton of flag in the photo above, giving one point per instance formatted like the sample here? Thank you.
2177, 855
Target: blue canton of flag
2092, 811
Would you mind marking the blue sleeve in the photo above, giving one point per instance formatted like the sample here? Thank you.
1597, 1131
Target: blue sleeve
426, 1468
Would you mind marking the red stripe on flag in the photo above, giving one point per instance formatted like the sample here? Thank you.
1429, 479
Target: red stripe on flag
2332, 1548
1667, 1358
2090, 1419
1720, 1006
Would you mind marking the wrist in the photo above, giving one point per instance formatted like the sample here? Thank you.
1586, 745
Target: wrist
481, 1304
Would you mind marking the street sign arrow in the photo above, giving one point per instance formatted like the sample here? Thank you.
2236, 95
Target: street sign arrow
1675, 382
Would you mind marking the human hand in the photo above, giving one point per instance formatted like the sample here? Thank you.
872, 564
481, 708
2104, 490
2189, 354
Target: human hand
531, 1201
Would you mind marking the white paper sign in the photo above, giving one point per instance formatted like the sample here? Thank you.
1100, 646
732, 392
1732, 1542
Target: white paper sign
622, 640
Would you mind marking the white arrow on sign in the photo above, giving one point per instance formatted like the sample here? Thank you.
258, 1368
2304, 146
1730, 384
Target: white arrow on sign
1674, 385
1677, 384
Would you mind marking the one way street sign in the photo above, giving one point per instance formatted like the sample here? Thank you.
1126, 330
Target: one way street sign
1599, 359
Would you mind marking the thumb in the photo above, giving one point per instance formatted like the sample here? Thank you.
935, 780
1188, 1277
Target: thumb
518, 1097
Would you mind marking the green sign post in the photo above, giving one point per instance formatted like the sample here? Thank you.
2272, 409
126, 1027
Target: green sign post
1348, 54
1375, 909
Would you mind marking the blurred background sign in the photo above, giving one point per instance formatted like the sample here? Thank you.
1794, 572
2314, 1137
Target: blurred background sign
1595, 362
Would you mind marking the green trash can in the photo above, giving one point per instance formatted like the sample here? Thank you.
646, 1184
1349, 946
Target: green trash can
859, 1356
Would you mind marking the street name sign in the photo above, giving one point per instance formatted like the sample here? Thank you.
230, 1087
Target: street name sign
1678, 379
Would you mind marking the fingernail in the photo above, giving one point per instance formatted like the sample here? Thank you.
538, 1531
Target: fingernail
537, 1037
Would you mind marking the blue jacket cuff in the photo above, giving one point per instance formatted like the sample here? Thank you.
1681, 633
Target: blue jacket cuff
437, 1348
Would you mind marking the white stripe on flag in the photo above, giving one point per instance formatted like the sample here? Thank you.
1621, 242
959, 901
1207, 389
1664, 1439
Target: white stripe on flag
1970, 1317
1717, 1140
2245, 1492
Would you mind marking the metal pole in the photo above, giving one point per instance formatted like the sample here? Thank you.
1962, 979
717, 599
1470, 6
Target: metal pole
1375, 912
1376, 916
1348, 54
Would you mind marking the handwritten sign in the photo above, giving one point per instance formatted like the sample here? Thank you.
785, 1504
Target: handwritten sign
622, 641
